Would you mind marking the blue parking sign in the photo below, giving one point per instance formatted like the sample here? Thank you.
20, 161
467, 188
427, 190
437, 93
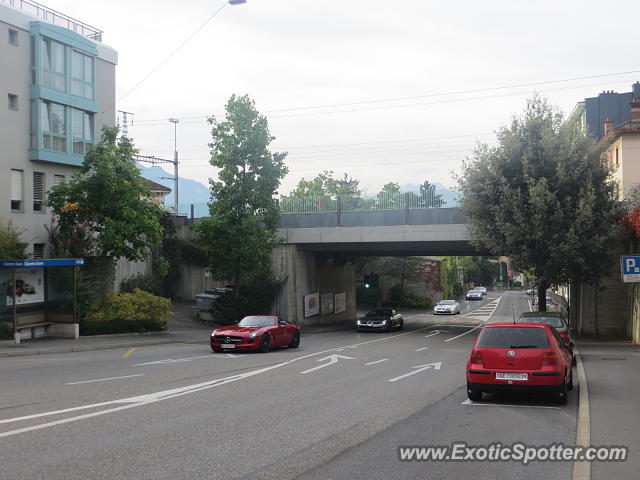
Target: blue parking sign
630, 267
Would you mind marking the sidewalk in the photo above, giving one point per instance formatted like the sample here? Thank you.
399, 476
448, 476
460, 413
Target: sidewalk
611, 369
183, 328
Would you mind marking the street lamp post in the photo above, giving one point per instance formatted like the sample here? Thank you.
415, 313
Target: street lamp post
175, 163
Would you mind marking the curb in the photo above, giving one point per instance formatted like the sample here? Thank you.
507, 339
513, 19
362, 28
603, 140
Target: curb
88, 348
582, 470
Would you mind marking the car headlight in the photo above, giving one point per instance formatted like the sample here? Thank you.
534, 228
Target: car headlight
254, 334
384, 321
214, 332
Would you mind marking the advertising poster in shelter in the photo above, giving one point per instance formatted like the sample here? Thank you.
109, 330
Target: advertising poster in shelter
29, 287
326, 303
311, 305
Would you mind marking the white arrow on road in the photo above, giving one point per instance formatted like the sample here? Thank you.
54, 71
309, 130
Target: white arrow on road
332, 359
435, 332
418, 369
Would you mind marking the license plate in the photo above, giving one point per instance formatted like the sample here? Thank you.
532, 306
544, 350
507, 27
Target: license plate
522, 377
228, 345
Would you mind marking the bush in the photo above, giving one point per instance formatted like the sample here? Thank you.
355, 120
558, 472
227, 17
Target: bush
6, 331
146, 282
138, 311
403, 299
254, 298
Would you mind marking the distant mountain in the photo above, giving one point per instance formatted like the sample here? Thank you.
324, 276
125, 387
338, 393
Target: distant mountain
190, 192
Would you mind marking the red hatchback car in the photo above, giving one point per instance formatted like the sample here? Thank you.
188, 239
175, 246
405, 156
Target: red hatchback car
256, 332
519, 357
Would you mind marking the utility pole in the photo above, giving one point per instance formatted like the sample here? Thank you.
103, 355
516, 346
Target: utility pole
125, 124
175, 162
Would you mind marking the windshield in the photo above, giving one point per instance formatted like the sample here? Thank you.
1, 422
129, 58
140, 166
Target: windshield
513, 337
553, 321
257, 321
447, 302
379, 313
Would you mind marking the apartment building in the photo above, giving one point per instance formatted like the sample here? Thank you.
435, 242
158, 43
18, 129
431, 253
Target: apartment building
57, 89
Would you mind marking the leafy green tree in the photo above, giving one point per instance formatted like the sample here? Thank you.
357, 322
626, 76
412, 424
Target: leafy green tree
240, 234
428, 196
326, 183
542, 196
11, 246
391, 187
102, 211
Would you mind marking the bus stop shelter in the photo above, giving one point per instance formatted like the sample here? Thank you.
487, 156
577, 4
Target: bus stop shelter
38, 297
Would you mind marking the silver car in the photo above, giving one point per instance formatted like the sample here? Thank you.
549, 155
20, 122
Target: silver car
474, 295
450, 307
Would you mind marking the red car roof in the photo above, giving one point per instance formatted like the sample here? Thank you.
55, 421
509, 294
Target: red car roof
519, 324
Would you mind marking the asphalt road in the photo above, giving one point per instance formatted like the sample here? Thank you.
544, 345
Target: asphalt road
338, 407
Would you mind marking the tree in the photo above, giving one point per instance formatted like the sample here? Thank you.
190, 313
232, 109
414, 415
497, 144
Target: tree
326, 184
240, 234
391, 187
542, 196
102, 210
428, 196
11, 246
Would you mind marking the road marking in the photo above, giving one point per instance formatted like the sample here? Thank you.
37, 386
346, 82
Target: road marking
104, 379
582, 470
143, 400
189, 359
377, 361
435, 332
463, 334
418, 369
421, 349
478, 404
332, 359
128, 354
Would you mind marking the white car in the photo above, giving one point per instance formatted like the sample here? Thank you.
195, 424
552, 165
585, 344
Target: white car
447, 306
482, 289
474, 295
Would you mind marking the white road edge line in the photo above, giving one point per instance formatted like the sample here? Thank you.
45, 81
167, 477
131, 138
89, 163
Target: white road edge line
421, 349
582, 470
463, 334
105, 379
377, 361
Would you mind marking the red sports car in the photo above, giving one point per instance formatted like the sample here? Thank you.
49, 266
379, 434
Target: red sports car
519, 356
256, 332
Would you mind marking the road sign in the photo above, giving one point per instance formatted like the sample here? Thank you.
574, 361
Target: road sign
630, 268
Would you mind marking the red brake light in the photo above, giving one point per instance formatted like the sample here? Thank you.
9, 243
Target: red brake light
476, 356
549, 358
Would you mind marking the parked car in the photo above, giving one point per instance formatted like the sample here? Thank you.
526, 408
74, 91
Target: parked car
380, 319
519, 357
552, 305
482, 290
556, 319
256, 332
474, 295
447, 306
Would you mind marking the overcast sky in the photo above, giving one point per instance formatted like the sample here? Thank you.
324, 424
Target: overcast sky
363, 56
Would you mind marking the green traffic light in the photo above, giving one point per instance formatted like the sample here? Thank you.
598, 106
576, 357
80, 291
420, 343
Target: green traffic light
366, 285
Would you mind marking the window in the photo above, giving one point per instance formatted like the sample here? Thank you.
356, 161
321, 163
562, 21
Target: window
82, 128
82, 75
58, 179
16, 190
13, 37
38, 251
53, 65
13, 101
38, 192
54, 126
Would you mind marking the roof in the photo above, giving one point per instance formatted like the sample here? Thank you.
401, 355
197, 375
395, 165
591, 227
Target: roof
517, 325
156, 187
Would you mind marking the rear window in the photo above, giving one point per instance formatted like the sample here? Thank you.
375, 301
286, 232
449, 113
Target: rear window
553, 321
513, 337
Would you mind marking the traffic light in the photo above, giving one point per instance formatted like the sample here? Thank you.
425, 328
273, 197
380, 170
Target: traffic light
367, 281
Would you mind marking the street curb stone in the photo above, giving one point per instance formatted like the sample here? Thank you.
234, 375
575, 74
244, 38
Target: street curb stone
582, 470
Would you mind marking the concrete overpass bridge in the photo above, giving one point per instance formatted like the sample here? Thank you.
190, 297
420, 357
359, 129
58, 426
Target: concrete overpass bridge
321, 238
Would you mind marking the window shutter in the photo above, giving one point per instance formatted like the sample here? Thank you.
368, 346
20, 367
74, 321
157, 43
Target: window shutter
16, 185
38, 186
58, 179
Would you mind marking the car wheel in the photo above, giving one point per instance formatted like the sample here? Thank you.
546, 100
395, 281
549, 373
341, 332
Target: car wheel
474, 394
561, 396
295, 341
570, 384
265, 343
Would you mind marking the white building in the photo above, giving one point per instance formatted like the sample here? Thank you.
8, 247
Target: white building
57, 87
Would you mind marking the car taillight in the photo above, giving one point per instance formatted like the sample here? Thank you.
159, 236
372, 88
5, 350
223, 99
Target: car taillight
549, 358
476, 357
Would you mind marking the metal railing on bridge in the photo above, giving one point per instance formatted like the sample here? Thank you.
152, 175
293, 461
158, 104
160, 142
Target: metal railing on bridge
382, 201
